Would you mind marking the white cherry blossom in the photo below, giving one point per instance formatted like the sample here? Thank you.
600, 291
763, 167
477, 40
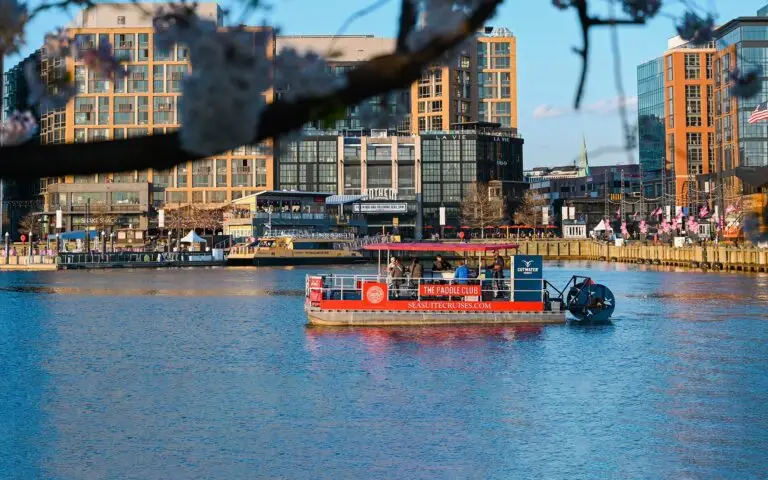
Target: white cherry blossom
19, 128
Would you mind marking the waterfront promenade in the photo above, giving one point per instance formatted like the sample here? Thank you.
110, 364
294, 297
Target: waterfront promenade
711, 257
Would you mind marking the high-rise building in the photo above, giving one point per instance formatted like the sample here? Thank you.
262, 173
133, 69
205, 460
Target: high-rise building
742, 44
497, 76
145, 102
706, 130
651, 125
676, 128
690, 130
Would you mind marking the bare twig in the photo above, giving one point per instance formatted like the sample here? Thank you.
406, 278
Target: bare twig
379, 75
587, 22
620, 91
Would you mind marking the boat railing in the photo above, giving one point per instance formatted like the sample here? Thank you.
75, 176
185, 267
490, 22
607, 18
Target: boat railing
308, 235
350, 287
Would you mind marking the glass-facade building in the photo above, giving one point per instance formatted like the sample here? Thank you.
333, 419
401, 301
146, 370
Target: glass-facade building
742, 44
650, 119
452, 161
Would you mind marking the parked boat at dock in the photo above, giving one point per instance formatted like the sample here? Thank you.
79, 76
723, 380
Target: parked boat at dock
297, 248
514, 294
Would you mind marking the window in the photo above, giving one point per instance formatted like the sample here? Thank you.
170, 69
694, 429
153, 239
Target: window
161, 178
124, 47
103, 110
92, 198
80, 135
500, 62
379, 153
327, 152
425, 91
709, 66
138, 79
221, 172
405, 176
216, 196
669, 68
81, 85
436, 123
143, 47
502, 108
121, 20
98, 134
137, 132
694, 153
406, 153
125, 198
422, 124
379, 176
261, 172
432, 193
464, 62
352, 178
175, 76
451, 192
352, 153
85, 111
202, 173
181, 175
162, 54
118, 133
692, 66
163, 109
693, 105
143, 117
177, 197
124, 177
123, 114
242, 172
158, 79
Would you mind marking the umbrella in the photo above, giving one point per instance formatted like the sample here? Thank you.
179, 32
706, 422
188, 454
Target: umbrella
490, 227
465, 227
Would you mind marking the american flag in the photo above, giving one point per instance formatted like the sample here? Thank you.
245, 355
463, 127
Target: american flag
760, 113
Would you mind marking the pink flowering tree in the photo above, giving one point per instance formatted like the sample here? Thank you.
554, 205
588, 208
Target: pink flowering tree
223, 98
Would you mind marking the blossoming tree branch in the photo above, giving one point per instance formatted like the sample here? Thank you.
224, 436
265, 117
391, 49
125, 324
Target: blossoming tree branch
224, 104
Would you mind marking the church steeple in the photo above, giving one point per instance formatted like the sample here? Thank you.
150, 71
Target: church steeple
583, 159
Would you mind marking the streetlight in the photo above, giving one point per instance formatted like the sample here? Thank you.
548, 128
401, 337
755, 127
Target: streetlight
7, 252
112, 241
103, 242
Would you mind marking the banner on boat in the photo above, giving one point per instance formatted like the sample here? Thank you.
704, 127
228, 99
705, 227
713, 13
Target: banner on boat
528, 277
315, 289
433, 290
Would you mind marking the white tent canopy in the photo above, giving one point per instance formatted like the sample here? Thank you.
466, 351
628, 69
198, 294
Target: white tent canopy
192, 237
601, 227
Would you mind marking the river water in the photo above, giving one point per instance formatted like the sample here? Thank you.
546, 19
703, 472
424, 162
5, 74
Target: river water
211, 373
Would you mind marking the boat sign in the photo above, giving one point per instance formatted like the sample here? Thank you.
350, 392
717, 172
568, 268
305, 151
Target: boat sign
527, 275
434, 290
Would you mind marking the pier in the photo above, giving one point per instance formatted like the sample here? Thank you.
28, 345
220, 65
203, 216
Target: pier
710, 257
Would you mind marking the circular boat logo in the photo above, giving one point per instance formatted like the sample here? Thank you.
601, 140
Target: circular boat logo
375, 294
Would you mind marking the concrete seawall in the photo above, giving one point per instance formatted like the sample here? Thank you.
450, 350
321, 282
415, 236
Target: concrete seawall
707, 258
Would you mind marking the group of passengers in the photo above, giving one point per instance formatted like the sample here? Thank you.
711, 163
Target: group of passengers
400, 277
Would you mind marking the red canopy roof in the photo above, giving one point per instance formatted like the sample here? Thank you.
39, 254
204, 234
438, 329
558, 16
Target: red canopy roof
441, 247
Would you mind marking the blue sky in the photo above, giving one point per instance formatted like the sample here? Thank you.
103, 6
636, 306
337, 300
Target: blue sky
547, 67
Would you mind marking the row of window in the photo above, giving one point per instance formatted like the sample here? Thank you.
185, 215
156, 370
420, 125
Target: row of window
133, 47
127, 110
164, 79
95, 198
379, 176
204, 196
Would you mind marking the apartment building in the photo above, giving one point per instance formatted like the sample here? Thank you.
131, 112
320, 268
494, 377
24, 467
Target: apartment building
145, 102
706, 133
497, 76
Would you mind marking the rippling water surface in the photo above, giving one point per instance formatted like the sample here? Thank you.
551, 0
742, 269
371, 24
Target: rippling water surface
211, 373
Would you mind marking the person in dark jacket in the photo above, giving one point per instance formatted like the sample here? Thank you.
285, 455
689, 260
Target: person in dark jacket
417, 270
441, 265
498, 280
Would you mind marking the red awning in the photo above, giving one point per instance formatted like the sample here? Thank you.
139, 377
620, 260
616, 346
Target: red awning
449, 227
441, 247
465, 228
490, 227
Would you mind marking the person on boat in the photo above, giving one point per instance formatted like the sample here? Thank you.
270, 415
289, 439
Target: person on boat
416, 271
462, 273
498, 280
499, 261
395, 276
441, 264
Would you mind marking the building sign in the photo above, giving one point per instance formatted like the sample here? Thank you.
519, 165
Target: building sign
434, 290
380, 193
380, 208
59, 219
527, 275
442, 216
161, 219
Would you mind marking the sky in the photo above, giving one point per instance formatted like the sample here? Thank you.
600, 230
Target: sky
548, 69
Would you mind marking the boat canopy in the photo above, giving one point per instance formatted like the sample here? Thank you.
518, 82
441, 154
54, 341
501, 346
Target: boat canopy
441, 247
